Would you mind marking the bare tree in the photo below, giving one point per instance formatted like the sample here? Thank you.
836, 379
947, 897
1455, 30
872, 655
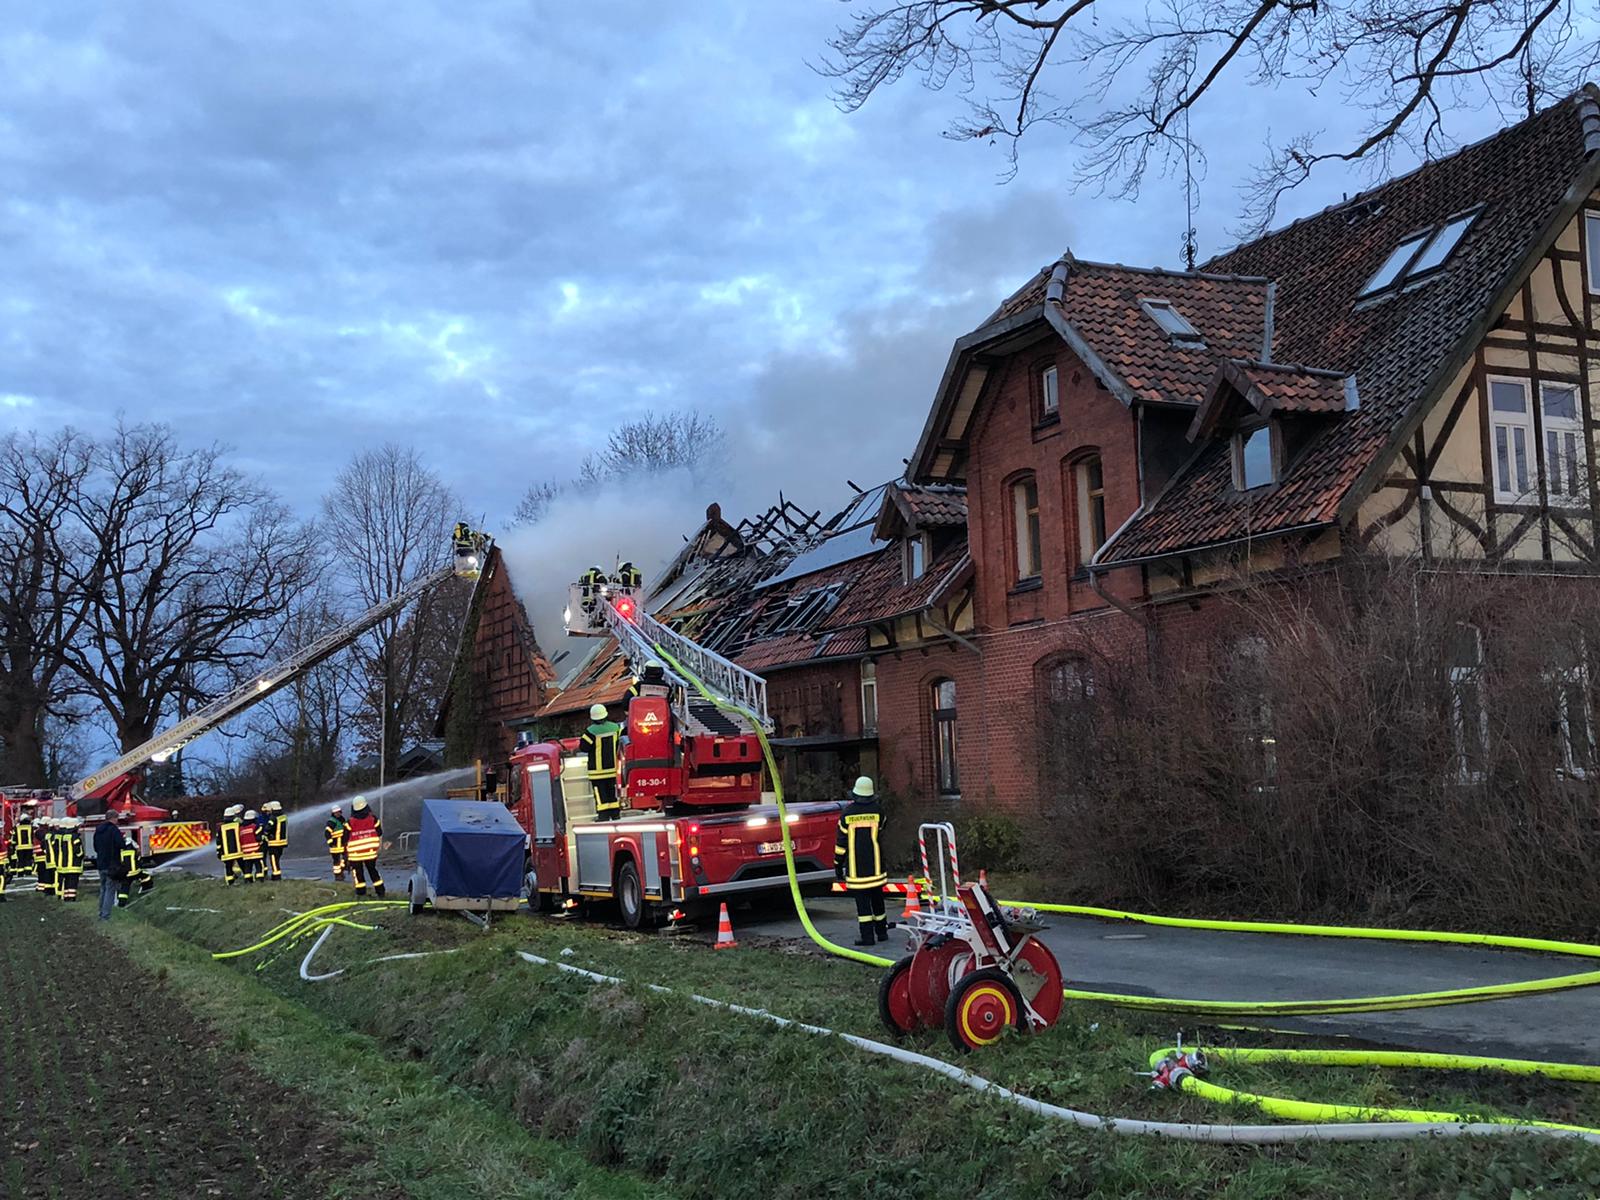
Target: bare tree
390, 518
188, 564
535, 502
39, 613
670, 441
1125, 80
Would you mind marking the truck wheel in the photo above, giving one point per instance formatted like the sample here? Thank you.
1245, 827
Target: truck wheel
630, 896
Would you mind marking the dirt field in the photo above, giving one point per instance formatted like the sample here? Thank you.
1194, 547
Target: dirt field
141, 1102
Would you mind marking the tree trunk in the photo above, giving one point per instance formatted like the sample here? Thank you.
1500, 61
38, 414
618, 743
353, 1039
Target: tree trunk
24, 750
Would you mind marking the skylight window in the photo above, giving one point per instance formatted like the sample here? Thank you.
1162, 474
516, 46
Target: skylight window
1420, 254
1171, 321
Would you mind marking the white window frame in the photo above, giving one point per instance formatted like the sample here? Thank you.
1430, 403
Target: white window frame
869, 696
1511, 425
1029, 545
1050, 392
1566, 467
1461, 674
1240, 483
1591, 238
1574, 765
916, 543
1087, 545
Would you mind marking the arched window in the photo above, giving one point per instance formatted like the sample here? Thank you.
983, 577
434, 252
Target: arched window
942, 702
1025, 527
1089, 482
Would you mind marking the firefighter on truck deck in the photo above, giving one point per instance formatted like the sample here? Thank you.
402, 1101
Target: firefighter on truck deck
363, 840
858, 862
334, 834
599, 743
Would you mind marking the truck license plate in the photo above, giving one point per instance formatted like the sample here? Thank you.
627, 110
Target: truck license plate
769, 848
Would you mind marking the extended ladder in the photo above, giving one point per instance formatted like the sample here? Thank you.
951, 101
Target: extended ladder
640, 635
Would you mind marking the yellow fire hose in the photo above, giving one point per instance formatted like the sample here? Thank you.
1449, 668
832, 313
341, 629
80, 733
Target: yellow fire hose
307, 922
1302, 1110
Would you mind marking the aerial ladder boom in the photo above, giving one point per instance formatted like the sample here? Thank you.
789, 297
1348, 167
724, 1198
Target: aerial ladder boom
640, 635
468, 550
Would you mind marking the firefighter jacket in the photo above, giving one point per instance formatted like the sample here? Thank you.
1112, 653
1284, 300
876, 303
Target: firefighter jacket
228, 846
857, 856
47, 846
364, 837
334, 834
69, 854
128, 867
5, 848
599, 742
277, 829
25, 837
249, 839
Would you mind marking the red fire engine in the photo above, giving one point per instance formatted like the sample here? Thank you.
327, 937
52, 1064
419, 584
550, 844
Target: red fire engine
693, 828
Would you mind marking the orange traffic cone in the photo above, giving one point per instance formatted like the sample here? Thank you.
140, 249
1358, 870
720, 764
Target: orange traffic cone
913, 905
724, 930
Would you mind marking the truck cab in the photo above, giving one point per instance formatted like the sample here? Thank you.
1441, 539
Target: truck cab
654, 858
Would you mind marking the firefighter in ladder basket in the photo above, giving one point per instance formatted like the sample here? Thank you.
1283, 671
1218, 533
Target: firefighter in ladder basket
858, 862
599, 743
334, 834
363, 840
628, 576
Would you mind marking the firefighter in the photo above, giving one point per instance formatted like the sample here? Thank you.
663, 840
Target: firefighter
858, 861
133, 876
69, 858
22, 852
5, 859
252, 854
363, 840
591, 586
44, 855
276, 823
229, 849
334, 834
652, 682
628, 576
599, 742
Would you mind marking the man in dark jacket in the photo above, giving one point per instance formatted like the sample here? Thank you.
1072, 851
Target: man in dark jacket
858, 861
108, 846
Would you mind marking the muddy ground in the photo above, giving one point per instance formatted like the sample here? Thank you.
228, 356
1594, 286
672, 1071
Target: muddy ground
109, 1089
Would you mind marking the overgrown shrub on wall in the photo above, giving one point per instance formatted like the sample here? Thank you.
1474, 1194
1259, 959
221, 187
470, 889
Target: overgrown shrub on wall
1388, 741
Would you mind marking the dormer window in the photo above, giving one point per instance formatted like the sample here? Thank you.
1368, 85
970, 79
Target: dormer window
1254, 458
916, 556
1420, 255
1172, 321
1050, 392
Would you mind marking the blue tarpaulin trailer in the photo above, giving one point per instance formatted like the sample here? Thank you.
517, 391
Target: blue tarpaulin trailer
471, 854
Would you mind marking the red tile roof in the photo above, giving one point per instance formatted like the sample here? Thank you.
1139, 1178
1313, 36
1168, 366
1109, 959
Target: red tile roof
882, 594
1401, 349
1271, 387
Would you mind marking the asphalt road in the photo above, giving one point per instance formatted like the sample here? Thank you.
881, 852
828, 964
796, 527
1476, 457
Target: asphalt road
1153, 961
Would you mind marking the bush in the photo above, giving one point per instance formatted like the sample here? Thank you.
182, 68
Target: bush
992, 841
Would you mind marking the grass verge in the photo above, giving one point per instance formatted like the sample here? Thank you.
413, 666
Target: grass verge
718, 1105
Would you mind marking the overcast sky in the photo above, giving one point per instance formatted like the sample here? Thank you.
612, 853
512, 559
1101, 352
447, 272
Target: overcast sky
493, 230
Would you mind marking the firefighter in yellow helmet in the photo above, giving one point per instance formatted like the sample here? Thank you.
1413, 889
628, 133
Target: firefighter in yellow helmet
858, 861
276, 827
599, 744
628, 577
229, 849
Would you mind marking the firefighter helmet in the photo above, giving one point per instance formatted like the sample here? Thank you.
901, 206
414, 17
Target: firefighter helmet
233, 810
864, 787
336, 811
597, 712
272, 806
251, 815
359, 804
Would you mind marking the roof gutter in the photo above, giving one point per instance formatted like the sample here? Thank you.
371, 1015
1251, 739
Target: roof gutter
1096, 565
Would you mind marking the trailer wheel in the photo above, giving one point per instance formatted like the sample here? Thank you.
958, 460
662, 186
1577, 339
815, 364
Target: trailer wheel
894, 1000
630, 896
414, 904
981, 1007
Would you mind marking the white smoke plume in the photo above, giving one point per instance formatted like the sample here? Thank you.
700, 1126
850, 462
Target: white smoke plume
643, 521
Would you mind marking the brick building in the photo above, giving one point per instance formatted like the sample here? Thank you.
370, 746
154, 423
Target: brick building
1409, 371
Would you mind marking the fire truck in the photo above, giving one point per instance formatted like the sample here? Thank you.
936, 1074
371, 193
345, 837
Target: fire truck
694, 830
112, 791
